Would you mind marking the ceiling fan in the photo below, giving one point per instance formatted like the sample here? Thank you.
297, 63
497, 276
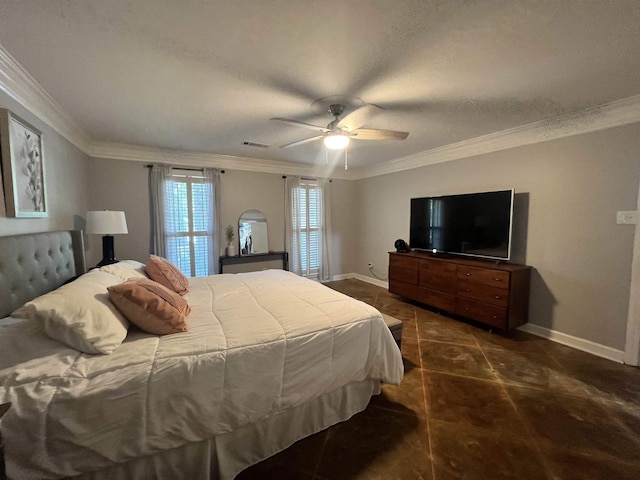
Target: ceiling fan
338, 133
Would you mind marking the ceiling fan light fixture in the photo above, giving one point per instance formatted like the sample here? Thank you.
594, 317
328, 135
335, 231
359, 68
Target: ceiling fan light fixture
336, 141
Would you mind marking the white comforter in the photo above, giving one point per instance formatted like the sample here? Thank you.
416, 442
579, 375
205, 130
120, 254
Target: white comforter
258, 343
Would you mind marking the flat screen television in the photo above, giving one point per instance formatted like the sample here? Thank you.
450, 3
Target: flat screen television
471, 224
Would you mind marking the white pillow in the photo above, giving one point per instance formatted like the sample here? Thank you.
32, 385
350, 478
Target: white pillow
126, 269
80, 314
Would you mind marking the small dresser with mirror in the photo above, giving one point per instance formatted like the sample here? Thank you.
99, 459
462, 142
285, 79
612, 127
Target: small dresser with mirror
253, 236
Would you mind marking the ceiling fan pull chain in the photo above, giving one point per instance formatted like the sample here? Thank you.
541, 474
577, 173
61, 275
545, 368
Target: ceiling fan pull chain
346, 158
326, 156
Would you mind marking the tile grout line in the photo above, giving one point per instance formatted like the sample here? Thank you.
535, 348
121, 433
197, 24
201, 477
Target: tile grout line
532, 434
424, 396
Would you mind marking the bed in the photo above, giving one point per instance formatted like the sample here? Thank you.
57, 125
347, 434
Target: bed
268, 358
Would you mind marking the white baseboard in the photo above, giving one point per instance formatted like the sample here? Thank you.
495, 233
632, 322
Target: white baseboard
575, 342
364, 278
559, 337
342, 276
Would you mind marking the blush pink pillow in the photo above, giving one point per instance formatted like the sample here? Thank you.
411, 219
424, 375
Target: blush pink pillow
166, 273
151, 306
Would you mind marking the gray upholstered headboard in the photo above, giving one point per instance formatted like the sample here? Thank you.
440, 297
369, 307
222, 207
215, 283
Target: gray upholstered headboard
35, 263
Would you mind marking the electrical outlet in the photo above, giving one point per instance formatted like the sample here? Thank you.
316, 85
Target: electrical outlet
625, 218
370, 265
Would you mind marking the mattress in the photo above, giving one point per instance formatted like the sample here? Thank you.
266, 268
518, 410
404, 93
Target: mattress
259, 344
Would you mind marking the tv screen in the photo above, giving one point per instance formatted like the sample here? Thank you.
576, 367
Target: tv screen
473, 224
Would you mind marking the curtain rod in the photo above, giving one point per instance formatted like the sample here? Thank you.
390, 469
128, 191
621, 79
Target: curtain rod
192, 169
305, 178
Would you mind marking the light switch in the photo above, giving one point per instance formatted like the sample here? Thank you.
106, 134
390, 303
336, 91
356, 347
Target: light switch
630, 217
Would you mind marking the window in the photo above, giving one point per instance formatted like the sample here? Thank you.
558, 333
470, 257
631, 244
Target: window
308, 226
184, 221
310, 198
187, 218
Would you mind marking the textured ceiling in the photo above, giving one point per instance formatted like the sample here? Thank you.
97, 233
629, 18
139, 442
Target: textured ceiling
205, 76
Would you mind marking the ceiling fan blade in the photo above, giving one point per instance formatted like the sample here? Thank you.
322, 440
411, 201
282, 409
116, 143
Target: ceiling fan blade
296, 123
300, 142
359, 117
371, 134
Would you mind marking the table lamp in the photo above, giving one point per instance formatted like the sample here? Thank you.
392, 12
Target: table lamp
107, 223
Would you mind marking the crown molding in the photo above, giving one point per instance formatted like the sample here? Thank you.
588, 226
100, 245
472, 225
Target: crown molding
134, 153
613, 114
23, 88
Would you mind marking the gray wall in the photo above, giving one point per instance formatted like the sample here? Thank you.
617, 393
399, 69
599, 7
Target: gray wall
117, 185
123, 185
66, 181
568, 192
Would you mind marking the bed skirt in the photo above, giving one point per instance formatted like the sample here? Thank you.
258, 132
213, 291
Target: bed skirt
224, 456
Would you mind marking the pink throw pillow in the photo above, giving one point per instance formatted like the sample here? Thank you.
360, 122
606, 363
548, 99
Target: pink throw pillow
166, 273
151, 306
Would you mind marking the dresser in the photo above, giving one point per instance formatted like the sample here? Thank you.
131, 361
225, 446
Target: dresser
494, 293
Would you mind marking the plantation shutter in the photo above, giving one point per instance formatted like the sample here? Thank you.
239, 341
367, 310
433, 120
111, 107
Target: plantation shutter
310, 222
188, 218
315, 222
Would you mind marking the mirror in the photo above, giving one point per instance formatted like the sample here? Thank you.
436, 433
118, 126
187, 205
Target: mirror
252, 232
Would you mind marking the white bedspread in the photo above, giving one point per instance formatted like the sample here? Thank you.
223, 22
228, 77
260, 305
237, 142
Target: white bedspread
258, 344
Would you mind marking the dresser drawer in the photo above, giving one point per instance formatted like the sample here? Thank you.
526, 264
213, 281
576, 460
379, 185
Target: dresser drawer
404, 289
402, 261
482, 312
438, 268
405, 275
443, 301
438, 275
438, 282
496, 278
485, 293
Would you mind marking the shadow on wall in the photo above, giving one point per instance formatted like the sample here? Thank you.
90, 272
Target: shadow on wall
80, 223
541, 302
519, 229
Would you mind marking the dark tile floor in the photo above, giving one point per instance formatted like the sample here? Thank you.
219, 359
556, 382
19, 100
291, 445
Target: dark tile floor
477, 405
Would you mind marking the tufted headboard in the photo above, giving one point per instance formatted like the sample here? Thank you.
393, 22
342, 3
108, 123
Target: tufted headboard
35, 263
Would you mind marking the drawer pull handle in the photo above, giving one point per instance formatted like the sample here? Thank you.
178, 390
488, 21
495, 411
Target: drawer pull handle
498, 297
466, 308
498, 279
495, 317
467, 290
468, 274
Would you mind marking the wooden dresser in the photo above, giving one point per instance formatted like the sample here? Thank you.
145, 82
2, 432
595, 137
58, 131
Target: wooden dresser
496, 294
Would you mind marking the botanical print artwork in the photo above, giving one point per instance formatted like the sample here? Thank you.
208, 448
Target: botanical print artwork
28, 168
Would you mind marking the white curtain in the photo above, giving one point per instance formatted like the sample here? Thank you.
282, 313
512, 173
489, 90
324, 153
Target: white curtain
158, 178
212, 178
325, 233
292, 223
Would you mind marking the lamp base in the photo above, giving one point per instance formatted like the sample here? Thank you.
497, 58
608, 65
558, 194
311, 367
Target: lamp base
108, 252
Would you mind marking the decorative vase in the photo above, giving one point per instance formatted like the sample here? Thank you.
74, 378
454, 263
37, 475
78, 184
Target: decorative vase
231, 250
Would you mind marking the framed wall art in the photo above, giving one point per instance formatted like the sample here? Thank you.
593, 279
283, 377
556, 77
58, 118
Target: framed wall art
22, 167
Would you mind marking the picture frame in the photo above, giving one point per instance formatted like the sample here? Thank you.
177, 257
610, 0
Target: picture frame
23, 169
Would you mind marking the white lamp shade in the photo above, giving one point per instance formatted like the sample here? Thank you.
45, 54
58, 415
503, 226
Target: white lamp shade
106, 222
336, 141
